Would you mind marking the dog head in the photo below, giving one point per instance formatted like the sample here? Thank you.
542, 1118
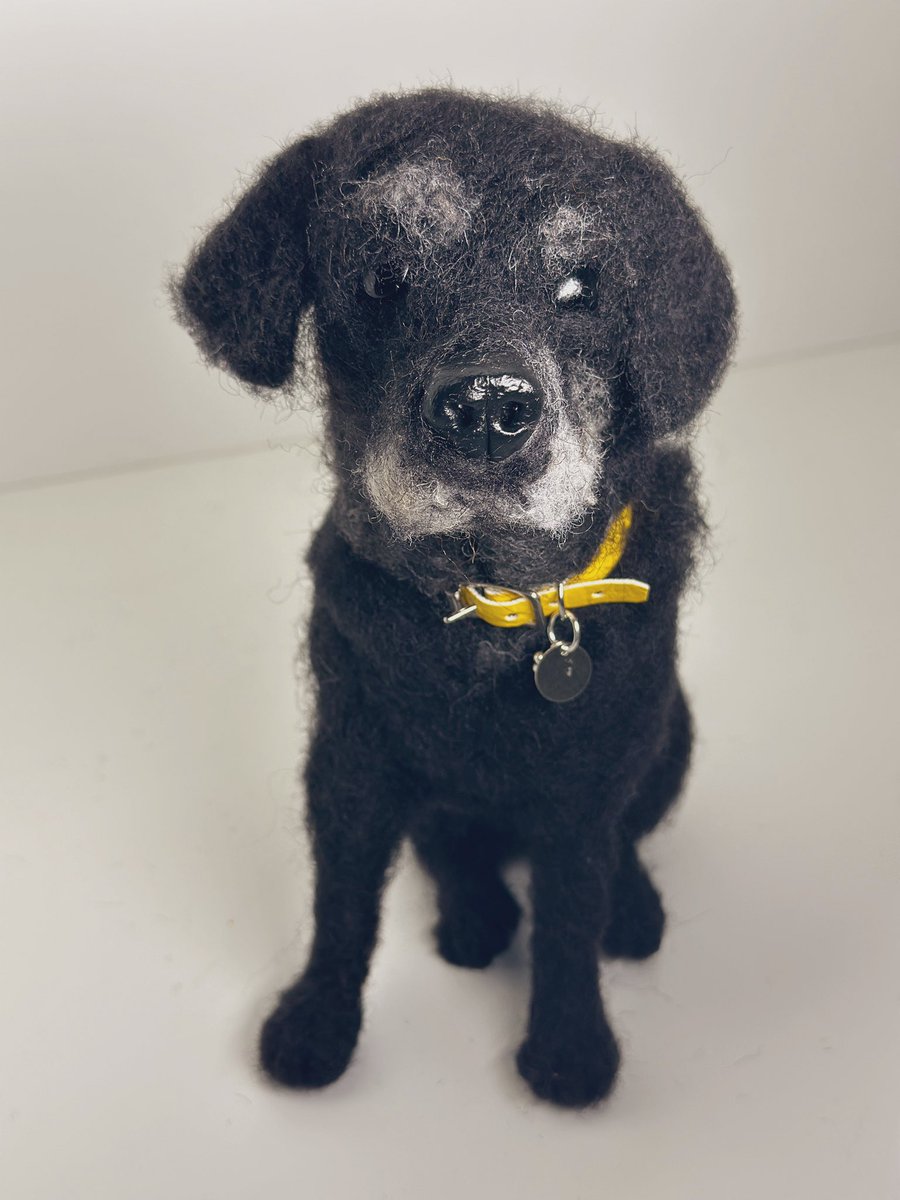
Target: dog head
500, 301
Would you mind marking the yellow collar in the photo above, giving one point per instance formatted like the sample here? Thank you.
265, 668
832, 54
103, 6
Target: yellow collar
507, 608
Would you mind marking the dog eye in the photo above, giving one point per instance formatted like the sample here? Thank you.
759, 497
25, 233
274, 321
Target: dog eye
385, 282
578, 290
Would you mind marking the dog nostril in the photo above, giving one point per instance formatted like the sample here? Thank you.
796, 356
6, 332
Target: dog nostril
464, 416
513, 416
483, 416
447, 413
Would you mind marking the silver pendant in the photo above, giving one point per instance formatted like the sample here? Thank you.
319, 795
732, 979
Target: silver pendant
561, 673
563, 670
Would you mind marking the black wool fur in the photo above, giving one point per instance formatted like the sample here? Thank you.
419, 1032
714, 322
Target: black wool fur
443, 232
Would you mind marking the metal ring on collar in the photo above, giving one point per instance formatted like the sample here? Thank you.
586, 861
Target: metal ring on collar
563, 613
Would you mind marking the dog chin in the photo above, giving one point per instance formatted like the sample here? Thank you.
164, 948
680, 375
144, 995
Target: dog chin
416, 507
416, 503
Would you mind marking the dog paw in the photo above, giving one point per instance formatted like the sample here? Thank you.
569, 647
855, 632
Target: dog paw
309, 1038
637, 919
573, 1074
472, 934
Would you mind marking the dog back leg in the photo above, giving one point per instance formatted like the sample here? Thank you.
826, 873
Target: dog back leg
569, 1055
637, 917
661, 786
477, 915
355, 823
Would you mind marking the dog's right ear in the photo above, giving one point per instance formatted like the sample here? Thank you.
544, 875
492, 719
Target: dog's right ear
244, 288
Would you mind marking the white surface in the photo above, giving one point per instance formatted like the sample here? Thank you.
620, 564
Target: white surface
126, 125
154, 880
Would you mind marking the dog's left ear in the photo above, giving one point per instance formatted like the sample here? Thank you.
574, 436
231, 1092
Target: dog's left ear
245, 286
682, 318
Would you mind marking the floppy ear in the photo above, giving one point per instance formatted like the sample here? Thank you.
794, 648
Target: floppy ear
245, 286
682, 311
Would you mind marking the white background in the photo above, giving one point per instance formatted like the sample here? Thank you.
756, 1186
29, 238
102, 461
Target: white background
154, 881
126, 126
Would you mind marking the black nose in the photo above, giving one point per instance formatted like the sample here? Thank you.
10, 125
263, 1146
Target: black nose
483, 414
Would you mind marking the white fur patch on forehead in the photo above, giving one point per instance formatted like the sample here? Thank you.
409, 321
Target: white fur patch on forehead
568, 234
428, 199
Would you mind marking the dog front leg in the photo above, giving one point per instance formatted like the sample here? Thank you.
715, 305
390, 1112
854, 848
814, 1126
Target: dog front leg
355, 827
569, 1055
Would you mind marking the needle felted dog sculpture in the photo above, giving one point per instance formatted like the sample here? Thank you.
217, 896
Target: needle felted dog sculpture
512, 320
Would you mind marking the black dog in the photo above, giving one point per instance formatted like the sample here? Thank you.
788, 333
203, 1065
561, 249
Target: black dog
510, 316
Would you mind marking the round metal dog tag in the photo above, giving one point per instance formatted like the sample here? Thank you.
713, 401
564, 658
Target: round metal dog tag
562, 673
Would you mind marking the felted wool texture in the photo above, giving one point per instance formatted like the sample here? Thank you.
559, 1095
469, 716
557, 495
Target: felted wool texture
444, 229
